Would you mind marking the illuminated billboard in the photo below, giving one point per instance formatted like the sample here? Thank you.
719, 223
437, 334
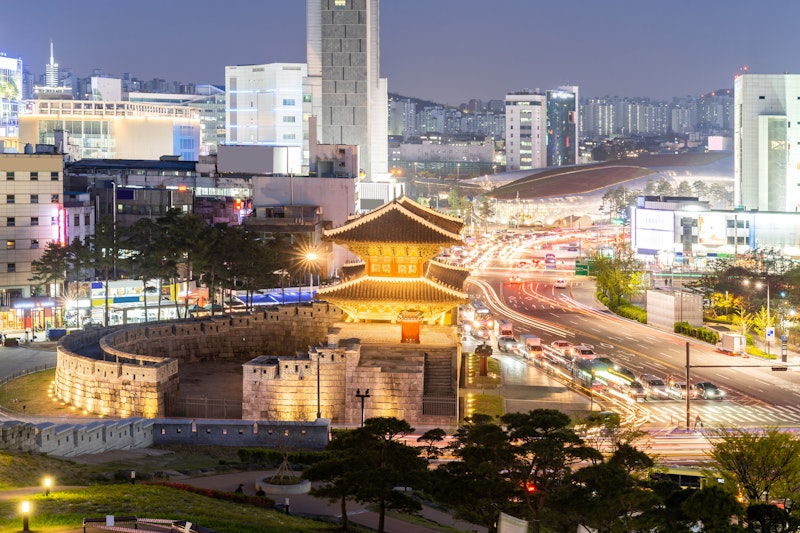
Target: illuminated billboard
653, 230
711, 229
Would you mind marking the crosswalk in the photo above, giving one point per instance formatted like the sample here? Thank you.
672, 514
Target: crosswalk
724, 413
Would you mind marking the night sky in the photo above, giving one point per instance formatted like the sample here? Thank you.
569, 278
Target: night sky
443, 50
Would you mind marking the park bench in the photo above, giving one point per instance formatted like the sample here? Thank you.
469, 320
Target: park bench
109, 523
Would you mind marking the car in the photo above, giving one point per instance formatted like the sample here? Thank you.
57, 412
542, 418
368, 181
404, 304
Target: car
514, 280
707, 391
584, 351
677, 390
561, 346
481, 333
654, 386
506, 343
561, 283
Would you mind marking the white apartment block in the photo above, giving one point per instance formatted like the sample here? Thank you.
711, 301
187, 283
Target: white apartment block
264, 105
31, 215
766, 126
526, 131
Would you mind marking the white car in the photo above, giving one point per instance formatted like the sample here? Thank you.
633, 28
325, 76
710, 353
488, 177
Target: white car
561, 283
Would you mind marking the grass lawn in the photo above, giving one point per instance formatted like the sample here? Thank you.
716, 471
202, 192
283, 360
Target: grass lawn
485, 404
474, 379
64, 510
32, 393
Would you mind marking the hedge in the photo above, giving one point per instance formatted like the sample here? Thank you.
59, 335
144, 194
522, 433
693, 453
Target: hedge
703, 334
275, 457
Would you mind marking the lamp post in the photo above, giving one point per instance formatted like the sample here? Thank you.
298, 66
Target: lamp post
319, 405
311, 257
362, 396
48, 482
25, 507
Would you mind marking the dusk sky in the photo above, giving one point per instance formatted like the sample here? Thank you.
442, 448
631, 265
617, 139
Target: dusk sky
443, 50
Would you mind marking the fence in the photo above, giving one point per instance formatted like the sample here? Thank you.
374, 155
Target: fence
202, 407
25, 372
439, 405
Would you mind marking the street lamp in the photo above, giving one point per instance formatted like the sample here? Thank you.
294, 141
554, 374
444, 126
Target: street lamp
362, 396
311, 258
25, 507
48, 482
758, 285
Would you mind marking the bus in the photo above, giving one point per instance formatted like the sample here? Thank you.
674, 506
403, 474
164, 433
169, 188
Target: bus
686, 477
481, 315
550, 261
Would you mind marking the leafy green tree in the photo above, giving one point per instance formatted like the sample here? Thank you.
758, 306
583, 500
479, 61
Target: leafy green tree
664, 187
684, 189
764, 464
483, 455
714, 507
52, 266
105, 255
612, 495
545, 448
485, 211
700, 189
616, 275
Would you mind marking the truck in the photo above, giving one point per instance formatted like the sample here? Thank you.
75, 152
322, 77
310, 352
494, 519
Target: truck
732, 344
531, 346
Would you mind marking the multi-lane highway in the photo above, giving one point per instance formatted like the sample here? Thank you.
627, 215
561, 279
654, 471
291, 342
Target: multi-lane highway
755, 395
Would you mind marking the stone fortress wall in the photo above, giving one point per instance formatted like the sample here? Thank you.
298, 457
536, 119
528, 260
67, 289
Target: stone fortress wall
71, 440
132, 371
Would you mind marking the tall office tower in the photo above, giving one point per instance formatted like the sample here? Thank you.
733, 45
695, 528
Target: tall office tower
402, 117
562, 126
526, 135
766, 170
344, 88
51, 70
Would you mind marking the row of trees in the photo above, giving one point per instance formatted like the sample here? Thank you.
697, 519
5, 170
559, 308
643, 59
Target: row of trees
616, 201
171, 249
536, 466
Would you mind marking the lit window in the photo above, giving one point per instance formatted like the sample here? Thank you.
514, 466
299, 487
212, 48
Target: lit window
340, 3
10, 245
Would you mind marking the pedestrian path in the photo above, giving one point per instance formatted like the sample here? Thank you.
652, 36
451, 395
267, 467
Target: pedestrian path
305, 505
724, 413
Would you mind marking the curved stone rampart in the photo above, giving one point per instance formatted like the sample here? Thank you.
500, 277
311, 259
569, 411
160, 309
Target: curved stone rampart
133, 370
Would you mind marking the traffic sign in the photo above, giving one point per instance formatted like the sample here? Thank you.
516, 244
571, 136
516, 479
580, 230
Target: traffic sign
770, 334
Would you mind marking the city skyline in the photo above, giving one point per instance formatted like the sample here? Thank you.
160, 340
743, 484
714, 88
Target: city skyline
447, 51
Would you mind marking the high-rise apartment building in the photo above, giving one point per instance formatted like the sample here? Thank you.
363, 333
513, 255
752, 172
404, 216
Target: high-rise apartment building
766, 125
526, 136
542, 129
344, 88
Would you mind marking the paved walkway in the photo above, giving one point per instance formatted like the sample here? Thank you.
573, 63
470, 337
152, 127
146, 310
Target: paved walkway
305, 505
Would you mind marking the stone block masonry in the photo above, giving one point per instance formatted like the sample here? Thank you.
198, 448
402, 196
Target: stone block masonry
133, 370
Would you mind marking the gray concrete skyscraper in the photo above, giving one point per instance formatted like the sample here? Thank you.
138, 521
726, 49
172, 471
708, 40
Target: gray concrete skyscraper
344, 89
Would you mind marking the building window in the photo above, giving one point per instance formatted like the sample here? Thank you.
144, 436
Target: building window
10, 245
10, 176
34, 198
288, 118
54, 221
288, 102
54, 176
11, 221
289, 136
339, 3
54, 198
11, 267
34, 176
34, 221
34, 243
86, 219
762, 97
9, 198
76, 220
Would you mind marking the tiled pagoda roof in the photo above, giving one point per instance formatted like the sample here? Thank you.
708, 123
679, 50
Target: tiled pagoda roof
410, 290
400, 221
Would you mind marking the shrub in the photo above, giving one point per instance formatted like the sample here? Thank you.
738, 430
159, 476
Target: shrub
235, 497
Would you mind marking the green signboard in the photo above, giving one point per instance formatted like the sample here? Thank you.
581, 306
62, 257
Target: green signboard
584, 267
